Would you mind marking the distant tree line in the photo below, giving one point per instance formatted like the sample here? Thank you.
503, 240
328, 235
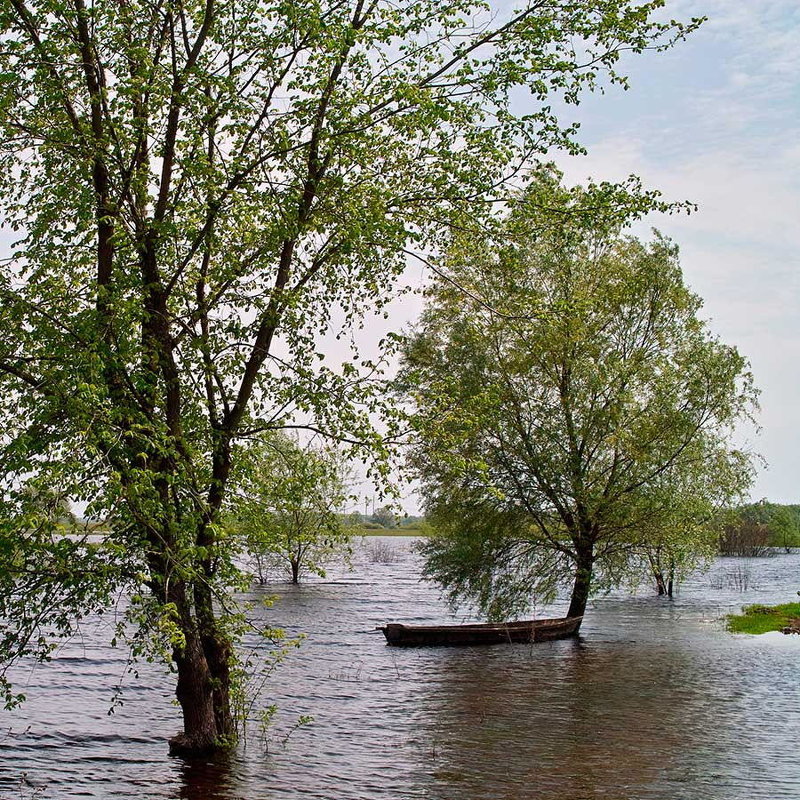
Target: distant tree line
385, 517
756, 527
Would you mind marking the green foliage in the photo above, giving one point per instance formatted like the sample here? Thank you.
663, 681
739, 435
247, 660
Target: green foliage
573, 410
49, 573
202, 191
763, 619
287, 507
385, 517
780, 523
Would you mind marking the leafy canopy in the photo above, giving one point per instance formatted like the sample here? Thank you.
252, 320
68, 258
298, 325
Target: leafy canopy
202, 191
573, 409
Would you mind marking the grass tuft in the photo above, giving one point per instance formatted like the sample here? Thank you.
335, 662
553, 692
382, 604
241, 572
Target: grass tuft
763, 619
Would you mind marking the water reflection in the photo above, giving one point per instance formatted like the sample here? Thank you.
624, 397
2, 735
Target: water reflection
654, 702
218, 779
555, 722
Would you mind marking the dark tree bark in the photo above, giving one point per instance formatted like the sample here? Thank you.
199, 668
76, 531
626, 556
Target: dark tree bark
203, 692
195, 690
196, 698
584, 564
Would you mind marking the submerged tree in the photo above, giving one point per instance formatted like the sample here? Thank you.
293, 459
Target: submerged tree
289, 507
573, 410
199, 188
685, 534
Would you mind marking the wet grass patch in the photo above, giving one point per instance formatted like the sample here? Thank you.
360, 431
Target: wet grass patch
763, 619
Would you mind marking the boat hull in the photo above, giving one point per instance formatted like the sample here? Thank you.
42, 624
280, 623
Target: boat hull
525, 631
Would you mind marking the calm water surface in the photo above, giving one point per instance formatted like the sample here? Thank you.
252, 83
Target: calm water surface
655, 701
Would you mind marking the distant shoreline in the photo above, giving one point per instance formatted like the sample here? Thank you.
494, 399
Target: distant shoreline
411, 530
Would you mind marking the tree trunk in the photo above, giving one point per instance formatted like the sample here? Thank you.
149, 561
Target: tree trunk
261, 569
654, 557
295, 562
218, 651
196, 698
583, 580
204, 680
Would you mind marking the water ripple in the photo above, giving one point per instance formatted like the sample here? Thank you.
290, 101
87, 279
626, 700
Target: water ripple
655, 701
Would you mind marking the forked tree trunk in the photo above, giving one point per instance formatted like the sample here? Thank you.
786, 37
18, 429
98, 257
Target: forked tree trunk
295, 564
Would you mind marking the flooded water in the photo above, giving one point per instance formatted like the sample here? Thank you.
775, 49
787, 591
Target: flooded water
654, 701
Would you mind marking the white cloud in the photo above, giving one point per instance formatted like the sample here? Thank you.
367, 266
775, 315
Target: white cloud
741, 252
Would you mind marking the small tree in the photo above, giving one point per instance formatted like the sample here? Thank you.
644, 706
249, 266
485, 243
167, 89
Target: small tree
683, 537
573, 410
289, 507
385, 517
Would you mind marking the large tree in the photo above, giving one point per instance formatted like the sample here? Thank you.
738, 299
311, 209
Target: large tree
573, 411
199, 188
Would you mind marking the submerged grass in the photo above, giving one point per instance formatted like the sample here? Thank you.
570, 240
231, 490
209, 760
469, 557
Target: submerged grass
763, 619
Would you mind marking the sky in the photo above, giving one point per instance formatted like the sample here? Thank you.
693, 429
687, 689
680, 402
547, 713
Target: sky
717, 121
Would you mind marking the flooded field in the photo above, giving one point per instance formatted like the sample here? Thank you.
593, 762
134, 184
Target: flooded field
654, 701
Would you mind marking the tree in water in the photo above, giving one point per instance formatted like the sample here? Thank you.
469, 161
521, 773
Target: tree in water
289, 507
573, 411
200, 189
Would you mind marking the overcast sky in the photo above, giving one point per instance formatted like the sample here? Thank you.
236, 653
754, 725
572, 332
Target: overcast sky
717, 121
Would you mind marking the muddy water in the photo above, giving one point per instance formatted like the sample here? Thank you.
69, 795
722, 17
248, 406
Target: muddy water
654, 701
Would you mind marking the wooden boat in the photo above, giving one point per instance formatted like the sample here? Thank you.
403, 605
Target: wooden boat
531, 630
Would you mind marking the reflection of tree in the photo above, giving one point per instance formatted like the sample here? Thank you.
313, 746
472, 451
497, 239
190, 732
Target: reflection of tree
560, 721
217, 779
